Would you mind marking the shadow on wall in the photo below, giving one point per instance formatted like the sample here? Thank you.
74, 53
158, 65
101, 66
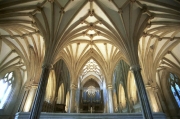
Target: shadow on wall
2, 116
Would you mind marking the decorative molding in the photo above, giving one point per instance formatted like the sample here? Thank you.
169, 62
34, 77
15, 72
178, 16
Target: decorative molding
73, 86
109, 86
48, 66
148, 86
135, 67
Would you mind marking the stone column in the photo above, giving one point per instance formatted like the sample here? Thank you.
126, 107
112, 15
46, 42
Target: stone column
153, 98
110, 99
30, 98
149, 93
155, 90
145, 106
130, 104
72, 98
39, 99
77, 99
24, 97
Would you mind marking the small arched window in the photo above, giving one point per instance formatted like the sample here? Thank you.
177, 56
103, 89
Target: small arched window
6, 88
175, 88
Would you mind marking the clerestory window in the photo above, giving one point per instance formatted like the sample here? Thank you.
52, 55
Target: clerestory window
175, 88
6, 88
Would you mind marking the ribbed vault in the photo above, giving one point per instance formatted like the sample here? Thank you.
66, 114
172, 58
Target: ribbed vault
160, 43
74, 29
77, 30
38, 32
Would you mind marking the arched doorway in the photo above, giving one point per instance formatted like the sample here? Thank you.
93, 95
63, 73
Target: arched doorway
91, 97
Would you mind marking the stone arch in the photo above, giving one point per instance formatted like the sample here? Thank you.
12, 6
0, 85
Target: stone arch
91, 77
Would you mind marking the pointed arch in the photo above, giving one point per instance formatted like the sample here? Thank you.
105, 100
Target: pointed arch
94, 78
132, 90
51, 86
88, 55
121, 97
60, 99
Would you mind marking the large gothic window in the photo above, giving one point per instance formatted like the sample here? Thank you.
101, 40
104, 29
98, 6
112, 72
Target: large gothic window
6, 87
175, 88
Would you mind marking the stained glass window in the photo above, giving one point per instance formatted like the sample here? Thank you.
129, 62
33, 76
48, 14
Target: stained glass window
175, 95
175, 88
6, 87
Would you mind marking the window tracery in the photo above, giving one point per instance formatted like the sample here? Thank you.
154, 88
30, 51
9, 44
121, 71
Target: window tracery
175, 88
6, 87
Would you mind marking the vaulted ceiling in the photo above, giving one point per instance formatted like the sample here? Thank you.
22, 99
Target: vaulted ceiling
37, 31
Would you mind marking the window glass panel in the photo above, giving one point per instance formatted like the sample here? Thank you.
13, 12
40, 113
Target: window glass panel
172, 77
5, 97
6, 75
5, 90
177, 88
10, 75
175, 95
176, 76
5, 79
2, 91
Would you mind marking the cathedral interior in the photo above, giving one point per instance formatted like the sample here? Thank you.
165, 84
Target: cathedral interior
90, 56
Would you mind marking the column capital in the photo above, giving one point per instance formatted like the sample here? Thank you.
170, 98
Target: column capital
48, 66
135, 67
73, 86
27, 87
155, 89
31, 86
109, 86
35, 86
148, 86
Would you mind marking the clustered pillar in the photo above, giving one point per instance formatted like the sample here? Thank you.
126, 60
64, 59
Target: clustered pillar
39, 99
28, 97
153, 98
145, 106
110, 98
72, 98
